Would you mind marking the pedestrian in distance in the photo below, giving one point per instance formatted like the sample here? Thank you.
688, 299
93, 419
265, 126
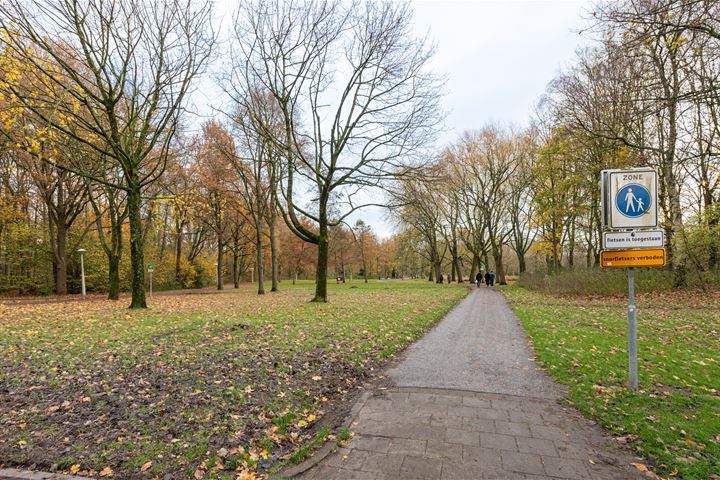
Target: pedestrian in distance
487, 278
492, 278
449, 279
479, 278
441, 278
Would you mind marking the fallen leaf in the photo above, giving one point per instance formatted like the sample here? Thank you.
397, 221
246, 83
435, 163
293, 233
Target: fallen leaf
146, 466
106, 472
75, 468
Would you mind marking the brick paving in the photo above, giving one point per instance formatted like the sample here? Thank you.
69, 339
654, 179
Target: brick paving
487, 429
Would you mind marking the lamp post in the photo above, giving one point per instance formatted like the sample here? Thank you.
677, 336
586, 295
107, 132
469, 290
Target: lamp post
82, 271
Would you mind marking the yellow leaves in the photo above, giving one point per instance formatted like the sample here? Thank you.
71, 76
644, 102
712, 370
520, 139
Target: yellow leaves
643, 468
106, 472
22, 443
248, 389
302, 424
75, 468
146, 466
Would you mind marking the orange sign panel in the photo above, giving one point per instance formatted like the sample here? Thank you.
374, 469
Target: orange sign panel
644, 257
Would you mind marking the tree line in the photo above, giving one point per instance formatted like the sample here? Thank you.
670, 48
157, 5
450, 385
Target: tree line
646, 93
325, 102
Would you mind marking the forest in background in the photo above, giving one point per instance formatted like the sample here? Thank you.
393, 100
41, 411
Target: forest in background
94, 153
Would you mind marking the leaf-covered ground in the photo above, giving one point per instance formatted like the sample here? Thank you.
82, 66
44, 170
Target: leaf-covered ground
674, 418
211, 386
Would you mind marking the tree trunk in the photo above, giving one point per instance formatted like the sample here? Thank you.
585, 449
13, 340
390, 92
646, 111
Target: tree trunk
61, 258
236, 273
499, 267
137, 256
274, 260
178, 251
220, 261
474, 267
259, 258
521, 263
322, 262
114, 276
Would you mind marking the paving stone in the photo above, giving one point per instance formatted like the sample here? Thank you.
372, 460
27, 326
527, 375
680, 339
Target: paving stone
548, 432
420, 467
489, 457
451, 400
407, 446
523, 463
512, 428
444, 421
492, 414
348, 458
440, 449
326, 472
528, 417
462, 411
476, 402
538, 446
417, 431
572, 449
420, 398
565, 468
383, 463
462, 437
370, 443
499, 442
478, 424
461, 470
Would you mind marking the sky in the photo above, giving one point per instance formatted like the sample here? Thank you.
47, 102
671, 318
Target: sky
498, 58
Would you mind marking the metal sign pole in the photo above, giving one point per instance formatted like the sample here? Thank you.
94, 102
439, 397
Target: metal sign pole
632, 331
150, 272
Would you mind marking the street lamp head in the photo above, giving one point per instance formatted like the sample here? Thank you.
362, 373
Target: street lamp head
81, 250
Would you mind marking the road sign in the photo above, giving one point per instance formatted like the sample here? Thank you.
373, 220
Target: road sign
646, 257
630, 198
150, 267
634, 239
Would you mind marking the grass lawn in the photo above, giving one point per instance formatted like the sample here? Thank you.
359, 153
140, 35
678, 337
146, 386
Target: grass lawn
674, 418
204, 385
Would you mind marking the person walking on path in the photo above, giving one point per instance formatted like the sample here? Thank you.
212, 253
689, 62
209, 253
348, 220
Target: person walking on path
492, 278
479, 278
487, 278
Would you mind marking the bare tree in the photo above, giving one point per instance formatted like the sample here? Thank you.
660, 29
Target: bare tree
355, 97
132, 66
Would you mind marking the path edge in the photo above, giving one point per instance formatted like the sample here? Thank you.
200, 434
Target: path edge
329, 447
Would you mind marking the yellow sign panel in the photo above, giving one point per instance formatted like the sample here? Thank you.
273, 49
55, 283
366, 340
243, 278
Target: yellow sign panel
644, 257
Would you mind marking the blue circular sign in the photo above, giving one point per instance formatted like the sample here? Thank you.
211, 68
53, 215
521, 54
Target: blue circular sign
633, 200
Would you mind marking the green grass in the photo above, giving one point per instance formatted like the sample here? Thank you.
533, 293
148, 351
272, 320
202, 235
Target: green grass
674, 418
221, 383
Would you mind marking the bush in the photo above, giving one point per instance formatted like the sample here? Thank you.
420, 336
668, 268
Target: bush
612, 281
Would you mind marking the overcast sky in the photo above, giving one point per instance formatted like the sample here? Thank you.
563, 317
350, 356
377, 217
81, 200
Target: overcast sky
498, 57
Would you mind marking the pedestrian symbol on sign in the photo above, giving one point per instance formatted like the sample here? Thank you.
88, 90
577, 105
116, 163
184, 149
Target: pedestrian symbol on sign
632, 200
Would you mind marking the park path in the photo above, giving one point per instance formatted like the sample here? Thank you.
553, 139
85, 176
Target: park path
468, 402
